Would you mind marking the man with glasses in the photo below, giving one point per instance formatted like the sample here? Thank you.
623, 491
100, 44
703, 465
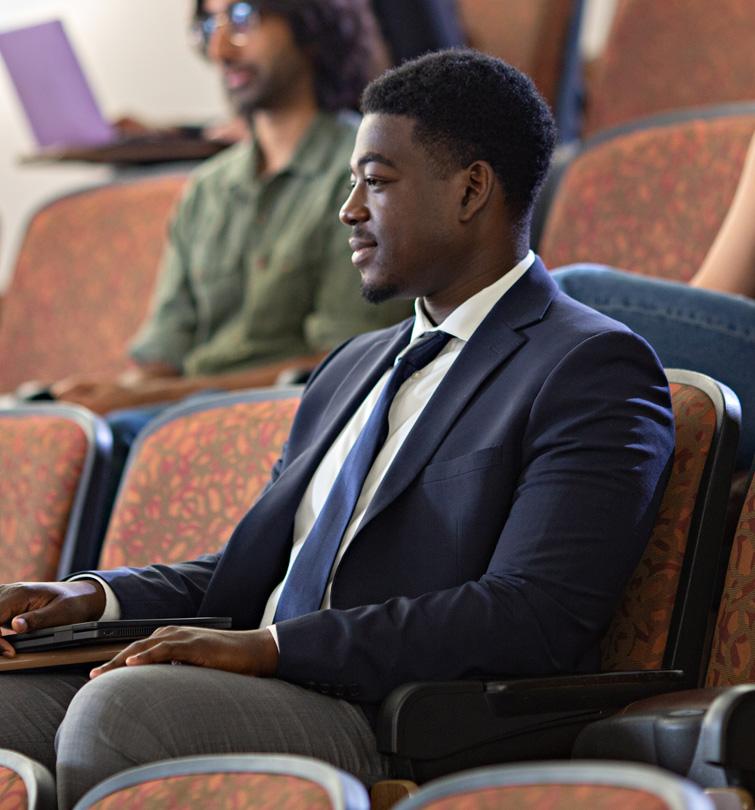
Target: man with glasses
256, 278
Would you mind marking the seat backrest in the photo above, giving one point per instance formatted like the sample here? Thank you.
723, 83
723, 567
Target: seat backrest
193, 473
253, 781
54, 464
561, 786
82, 280
649, 199
674, 54
663, 618
25, 783
732, 658
535, 36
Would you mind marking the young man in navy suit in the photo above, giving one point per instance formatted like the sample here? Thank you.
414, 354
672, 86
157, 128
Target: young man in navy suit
465, 493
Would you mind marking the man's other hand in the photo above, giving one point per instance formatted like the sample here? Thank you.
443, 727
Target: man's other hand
249, 652
30, 605
99, 396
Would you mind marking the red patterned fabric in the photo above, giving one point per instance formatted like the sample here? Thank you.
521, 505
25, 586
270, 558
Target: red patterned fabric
41, 460
672, 54
83, 280
732, 658
529, 34
551, 797
193, 480
13, 794
650, 201
251, 791
637, 636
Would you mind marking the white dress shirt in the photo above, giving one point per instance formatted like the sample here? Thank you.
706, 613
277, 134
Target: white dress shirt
405, 409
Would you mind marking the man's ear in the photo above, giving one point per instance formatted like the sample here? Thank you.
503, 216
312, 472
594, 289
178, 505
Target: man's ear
479, 182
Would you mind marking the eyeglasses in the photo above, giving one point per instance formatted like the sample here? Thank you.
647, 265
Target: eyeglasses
240, 17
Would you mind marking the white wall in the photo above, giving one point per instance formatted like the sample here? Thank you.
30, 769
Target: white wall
138, 60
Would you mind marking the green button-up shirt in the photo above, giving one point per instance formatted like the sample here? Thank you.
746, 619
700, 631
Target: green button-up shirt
258, 269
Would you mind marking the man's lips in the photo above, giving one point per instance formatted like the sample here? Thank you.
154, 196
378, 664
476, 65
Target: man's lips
362, 249
236, 77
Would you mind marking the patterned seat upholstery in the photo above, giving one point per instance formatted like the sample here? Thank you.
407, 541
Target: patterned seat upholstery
256, 782
638, 637
25, 784
54, 461
83, 279
431, 729
732, 658
560, 786
671, 55
193, 473
650, 199
536, 36
703, 733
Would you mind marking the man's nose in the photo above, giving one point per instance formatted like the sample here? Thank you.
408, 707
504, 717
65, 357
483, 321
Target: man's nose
221, 46
354, 210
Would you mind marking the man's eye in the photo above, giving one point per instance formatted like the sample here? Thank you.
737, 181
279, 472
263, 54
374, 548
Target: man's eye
373, 182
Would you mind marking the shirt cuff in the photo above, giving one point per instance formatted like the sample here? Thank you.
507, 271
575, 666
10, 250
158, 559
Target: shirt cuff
274, 633
112, 610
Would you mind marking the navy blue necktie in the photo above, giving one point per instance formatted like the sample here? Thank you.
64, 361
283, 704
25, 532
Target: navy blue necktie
308, 578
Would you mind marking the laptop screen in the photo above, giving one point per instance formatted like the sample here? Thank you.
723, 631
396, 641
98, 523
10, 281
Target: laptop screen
52, 88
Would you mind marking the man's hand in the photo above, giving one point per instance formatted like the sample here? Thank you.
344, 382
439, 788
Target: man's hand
249, 652
100, 396
140, 385
31, 605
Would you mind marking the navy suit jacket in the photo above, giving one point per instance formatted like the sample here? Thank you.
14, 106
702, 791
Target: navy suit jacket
502, 535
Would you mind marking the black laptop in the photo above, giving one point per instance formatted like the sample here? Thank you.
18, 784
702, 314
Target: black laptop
92, 633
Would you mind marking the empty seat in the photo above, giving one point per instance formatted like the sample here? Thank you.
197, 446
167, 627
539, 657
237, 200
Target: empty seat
82, 280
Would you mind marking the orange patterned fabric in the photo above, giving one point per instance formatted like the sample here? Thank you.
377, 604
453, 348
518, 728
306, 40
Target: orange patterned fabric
193, 480
672, 54
41, 461
650, 201
13, 794
252, 791
551, 797
83, 280
637, 636
732, 658
529, 34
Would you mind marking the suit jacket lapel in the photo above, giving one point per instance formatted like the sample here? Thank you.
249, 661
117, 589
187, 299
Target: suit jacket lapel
496, 338
347, 397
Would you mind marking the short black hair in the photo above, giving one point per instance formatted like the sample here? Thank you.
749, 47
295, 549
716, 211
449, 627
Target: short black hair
341, 38
468, 106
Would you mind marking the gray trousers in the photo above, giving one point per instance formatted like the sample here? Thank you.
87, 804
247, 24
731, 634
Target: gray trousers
137, 715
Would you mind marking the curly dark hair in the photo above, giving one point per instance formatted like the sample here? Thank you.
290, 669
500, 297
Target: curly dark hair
468, 106
342, 40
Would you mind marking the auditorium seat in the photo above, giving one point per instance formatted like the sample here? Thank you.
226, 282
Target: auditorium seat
54, 465
705, 734
541, 38
561, 786
192, 474
674, 54
657, 642
649, 197
250, 781
82, 280
25, 784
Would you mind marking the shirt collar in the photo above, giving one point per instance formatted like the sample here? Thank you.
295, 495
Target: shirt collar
463, 321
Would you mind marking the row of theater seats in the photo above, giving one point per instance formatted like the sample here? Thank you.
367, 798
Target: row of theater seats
628, 198
195, 470
658, 56
259, 782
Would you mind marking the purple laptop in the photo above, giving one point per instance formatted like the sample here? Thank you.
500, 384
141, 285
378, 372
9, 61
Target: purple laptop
52, 88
